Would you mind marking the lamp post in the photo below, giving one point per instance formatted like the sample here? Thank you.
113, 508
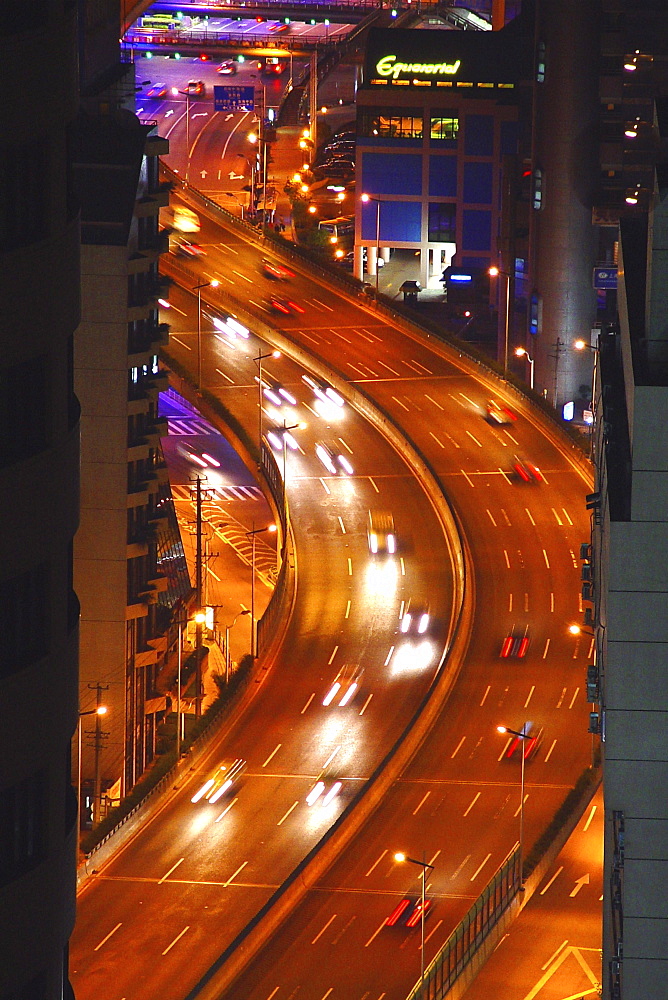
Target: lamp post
251, 534
198, 288
184, 93
227, 643
521, 352
99, 710
400, 857
258, 361
522, 736
366, 198
288, 427
495, 272
582, 345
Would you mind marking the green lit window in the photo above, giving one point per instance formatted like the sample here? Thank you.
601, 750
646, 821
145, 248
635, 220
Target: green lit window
444, 128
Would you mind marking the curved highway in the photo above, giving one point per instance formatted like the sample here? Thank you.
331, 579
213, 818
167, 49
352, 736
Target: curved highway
458, 801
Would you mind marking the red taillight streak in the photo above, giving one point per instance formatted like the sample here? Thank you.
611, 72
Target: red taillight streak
507, 646
397, 911
523, 646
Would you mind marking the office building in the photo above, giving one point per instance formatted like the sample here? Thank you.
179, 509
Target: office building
39, 498
626, 576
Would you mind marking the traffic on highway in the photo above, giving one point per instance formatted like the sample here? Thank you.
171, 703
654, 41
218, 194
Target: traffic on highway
192, 878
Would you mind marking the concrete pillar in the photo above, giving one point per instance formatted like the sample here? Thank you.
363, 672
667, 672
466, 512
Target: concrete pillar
371, 260
385, 253
358, 262
424, 267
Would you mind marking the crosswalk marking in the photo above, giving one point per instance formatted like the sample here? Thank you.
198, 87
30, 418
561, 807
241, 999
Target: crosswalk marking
182, 492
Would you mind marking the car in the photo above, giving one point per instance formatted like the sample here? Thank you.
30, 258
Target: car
349, 259
272, 269
415, 618
284, 306
515, 644
195, 87
323, 390
184, 219
278, 394
334, 462
277, 435
408, 912
525, 471
279, 27
228, 67
336, 169
527, 744
157, 90
380, 533
497, 413
184, 248
328, 784
222, 780
345, 687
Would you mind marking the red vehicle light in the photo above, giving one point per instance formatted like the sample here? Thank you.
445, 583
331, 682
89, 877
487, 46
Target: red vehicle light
513, 747
416, 915
523, 646
522, 473
295, 306
397, 912
507, 646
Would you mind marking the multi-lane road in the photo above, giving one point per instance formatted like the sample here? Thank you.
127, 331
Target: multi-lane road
154, 919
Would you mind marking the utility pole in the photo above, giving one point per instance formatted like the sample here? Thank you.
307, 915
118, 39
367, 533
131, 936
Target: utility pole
99, 736
198, 599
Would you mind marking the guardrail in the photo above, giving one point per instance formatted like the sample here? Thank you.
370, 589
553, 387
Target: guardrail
471, 931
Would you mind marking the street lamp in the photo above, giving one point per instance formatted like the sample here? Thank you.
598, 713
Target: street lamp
400, 857
494, 272
522, 736
521, 352
251, 534
582, 345
198, 288
184, 93
227, 643
258, 361
99, 710
285, 429
367, 198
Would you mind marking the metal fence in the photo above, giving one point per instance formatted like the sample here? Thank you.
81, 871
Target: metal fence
449, 963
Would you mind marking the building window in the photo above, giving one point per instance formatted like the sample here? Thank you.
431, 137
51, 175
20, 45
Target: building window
444, 126
540, 63
22, 827
442, 222
392, 123
537, 198
23, 619
23, 410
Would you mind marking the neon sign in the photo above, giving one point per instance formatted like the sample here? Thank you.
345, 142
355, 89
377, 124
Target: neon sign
388, 66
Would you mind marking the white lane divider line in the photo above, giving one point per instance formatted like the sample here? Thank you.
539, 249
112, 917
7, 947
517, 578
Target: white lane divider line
307, 703
272, 754
374, 865
321, 932
105, 939
173, 868
177, 938
283, 818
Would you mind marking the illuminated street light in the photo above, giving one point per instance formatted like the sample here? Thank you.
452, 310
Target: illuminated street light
401, 857
521, 352
367, 198
494, 272
98, 711
522, 736
258, 360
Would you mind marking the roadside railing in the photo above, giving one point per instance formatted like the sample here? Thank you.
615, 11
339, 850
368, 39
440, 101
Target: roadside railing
469, 934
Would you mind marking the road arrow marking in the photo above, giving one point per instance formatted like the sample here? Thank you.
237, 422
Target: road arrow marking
227, 117
579, 883
236, 177
203, 173
200, 114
